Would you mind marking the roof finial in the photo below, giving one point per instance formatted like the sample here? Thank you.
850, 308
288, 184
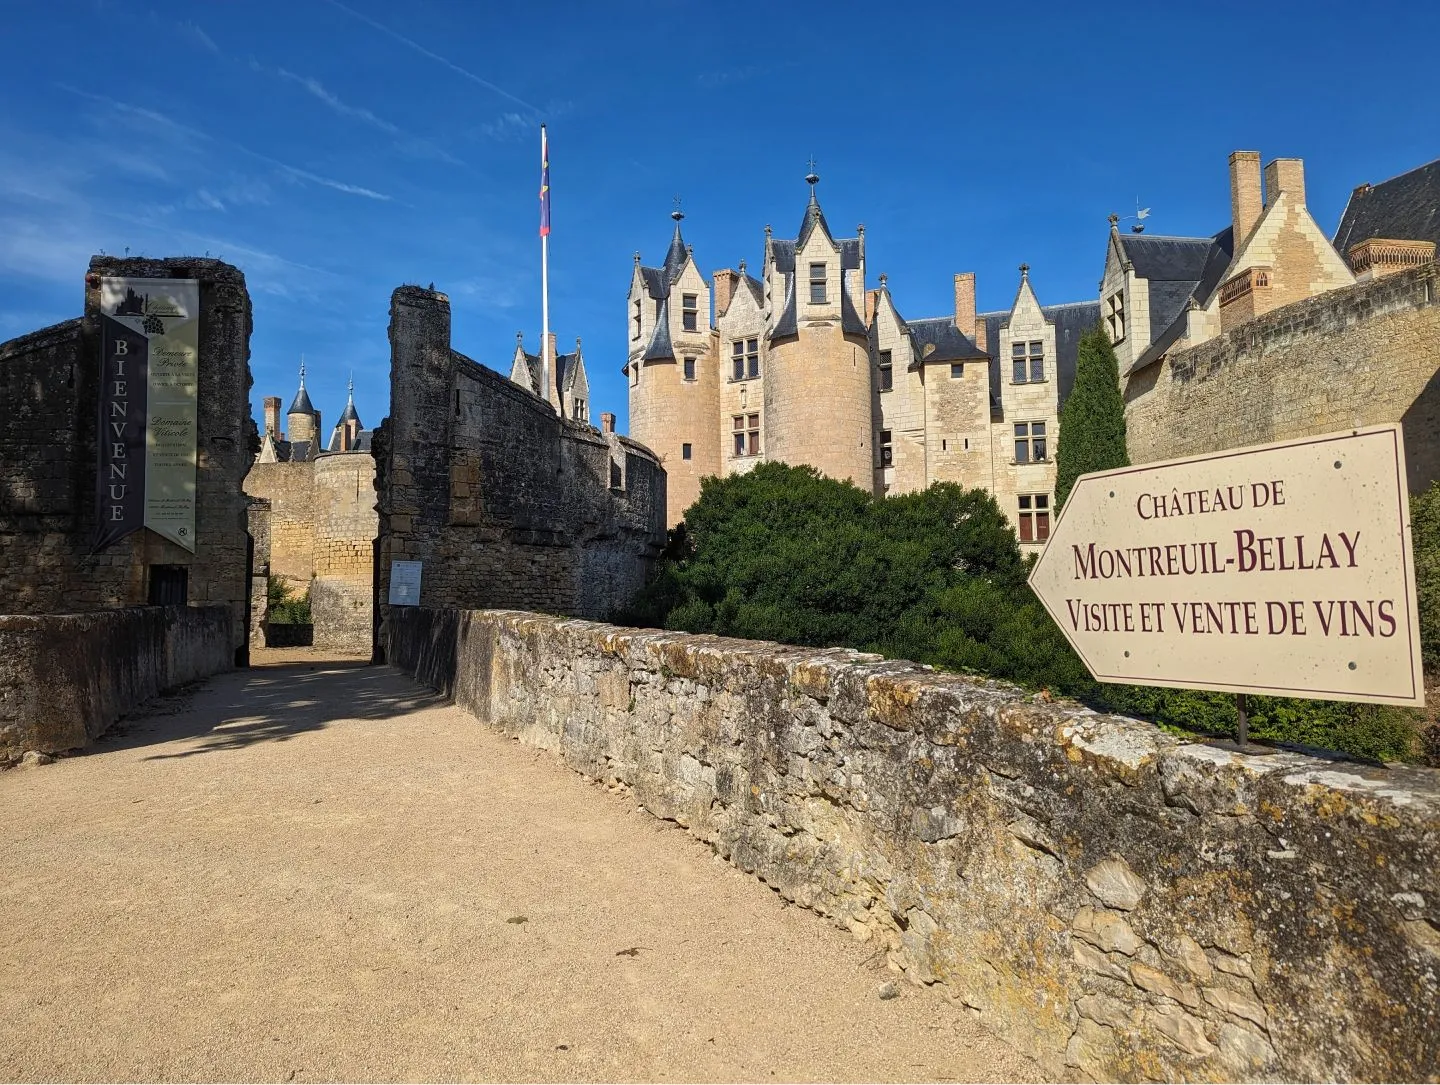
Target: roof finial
352, 386
1024, 271
884, 279
860, 229
577, 344
637, 257
812, 178
767, 229
520, 339
742, 267
1114, 222
302, 371
677, 214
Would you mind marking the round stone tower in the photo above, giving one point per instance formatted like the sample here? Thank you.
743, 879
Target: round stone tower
817, 376
672, 372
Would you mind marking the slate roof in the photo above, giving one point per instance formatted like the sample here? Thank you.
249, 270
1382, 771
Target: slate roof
362, 441
302, 403
1404, 208
565, 370
1172, 265
1071, 320
657, 282
951, 344
1219, 253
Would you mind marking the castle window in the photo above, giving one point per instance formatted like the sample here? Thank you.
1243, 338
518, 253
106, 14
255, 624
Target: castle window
1034, 517
636, 318
634, 374
745, 358
581, 412
689, 369
1115, 316
817, 284
957, 370
747, 434
887, 450
1028, 360
1030, 442
685, 451
886, 372
689, 312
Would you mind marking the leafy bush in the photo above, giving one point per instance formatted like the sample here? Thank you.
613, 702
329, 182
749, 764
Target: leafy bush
786, 554
1425, 537
286, 607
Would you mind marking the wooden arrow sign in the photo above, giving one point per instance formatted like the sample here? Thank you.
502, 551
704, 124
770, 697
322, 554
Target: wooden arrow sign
1282, 569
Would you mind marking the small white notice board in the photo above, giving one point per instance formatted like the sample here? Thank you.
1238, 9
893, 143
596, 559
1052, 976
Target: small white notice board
405, 583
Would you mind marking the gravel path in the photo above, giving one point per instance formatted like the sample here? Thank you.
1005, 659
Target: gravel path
317, 871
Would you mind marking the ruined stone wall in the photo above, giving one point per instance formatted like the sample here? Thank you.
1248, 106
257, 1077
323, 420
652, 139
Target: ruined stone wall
503, 502
344, 532
258, 520
1118, 903
290, 489
1358, 356
65, 678
48, 458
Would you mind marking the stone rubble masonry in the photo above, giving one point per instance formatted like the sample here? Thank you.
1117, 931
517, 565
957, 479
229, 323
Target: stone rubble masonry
258, 517
503, 502
1357, 356
1118, 903
48, 458
65, 678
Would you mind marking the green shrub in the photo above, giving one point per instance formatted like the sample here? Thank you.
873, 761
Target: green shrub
285, 606
1425, 538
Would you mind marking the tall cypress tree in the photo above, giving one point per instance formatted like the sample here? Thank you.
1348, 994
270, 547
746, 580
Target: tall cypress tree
1092, 422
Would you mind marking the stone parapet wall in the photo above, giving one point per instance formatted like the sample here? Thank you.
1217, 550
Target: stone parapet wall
65, 678
1116, 902
1357, 356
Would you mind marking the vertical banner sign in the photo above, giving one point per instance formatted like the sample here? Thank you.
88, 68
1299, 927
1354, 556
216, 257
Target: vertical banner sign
149, 367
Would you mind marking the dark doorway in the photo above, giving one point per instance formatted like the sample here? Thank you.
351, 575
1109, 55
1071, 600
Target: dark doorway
169, 585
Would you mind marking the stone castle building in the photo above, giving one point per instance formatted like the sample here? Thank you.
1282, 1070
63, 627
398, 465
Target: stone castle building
1269, 329
806, 365
314, 498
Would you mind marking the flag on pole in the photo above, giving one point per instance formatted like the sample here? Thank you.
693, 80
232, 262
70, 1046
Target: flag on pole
544, 184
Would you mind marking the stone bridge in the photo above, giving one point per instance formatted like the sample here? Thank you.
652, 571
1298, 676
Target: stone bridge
599, 853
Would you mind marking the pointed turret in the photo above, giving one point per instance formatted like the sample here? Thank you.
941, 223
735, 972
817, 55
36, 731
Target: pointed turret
303, 418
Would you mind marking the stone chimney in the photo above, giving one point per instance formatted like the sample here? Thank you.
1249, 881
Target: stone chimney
272, 417
607, 422
724, 289
1246, 201
965, 302
1285, 175
871, 301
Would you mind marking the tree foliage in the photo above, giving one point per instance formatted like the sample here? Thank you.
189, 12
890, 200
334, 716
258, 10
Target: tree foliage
286, 607
1092, 422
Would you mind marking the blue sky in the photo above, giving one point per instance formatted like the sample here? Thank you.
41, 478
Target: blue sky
335, 150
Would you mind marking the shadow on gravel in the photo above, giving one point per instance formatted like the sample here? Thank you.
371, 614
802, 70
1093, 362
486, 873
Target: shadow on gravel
269, 704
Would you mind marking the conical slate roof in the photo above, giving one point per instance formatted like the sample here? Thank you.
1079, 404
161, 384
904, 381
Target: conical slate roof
302, 403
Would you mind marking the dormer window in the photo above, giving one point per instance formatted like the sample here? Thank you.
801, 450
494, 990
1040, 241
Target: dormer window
1028, 361
886, 371
1115, 316
636, 317
817, 284
689, 312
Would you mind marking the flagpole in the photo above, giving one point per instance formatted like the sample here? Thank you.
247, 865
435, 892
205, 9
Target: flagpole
544, 291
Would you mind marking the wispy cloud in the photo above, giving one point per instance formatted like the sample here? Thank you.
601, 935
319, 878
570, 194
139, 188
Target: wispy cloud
169, 123
317, 89
504, 127
433, 56
199, 35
